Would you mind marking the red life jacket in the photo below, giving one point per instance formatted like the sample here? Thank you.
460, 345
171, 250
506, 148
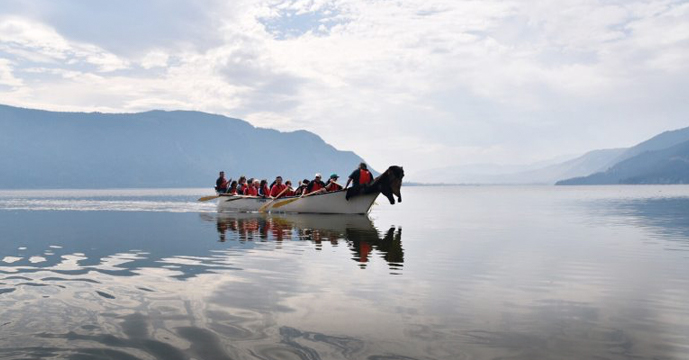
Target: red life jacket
316, 186
250, 190
364, 177
333, 187
364, 249
277, 189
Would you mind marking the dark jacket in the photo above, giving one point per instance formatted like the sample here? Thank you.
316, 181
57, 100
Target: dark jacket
309, 188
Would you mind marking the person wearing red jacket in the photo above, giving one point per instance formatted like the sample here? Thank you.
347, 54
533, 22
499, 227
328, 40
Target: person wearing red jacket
263, 189
360, 177
233, 188
332, 184
289, 191
221, 183
315, 185
277, 188
252, 189
241, 185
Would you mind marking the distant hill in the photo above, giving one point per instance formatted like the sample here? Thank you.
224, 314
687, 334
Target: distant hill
658, 160
43, 149
661, 141
588, 163
540, 173
594, 167
666, 166
471, 173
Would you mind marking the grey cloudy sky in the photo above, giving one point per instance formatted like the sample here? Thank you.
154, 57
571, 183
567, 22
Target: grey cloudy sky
422, 83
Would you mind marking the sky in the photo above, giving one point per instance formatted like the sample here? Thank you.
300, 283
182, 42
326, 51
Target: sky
421, 83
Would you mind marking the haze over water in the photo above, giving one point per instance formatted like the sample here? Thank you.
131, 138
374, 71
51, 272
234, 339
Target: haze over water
450, 273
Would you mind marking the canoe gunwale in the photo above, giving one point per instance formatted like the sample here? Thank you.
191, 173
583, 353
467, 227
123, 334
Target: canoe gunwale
323, 203
282, 197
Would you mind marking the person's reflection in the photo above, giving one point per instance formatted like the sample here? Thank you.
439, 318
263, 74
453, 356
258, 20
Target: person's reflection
363, 242
359, 233
278, 230
222, 229
391, 246
263, 228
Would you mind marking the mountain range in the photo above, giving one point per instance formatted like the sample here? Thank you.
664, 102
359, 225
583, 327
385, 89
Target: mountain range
44, 149
661, 159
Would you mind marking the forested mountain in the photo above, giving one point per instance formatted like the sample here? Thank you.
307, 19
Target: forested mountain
43, 149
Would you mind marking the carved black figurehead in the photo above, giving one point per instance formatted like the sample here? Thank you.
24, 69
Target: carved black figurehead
389, 183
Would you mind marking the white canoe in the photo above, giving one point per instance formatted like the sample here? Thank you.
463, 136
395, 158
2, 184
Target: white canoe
326, 203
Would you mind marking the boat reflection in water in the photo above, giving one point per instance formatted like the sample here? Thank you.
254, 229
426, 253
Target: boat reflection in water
357, 231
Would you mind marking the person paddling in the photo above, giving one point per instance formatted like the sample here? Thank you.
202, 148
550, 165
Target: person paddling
263, 189
315, 185
233, 188
290, 191
302, 187
241, 185
277, 188
252, 188
221, 183
332, 184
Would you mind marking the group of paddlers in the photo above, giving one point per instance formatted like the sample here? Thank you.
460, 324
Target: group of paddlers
260, 188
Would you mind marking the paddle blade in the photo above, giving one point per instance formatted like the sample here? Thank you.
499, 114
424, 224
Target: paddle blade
263, 208
206, 198
283, 203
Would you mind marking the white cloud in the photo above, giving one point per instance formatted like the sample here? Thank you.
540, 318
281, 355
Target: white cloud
34, 41
155, 59
6, 76
439, 82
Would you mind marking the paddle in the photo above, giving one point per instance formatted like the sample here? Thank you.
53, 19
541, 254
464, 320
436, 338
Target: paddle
289, 201
263, 208
206, 198
283, 203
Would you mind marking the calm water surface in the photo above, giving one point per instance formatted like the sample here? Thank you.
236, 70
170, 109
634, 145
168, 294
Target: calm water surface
450, 273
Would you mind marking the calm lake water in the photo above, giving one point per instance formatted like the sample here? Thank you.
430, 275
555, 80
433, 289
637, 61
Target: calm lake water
450, 273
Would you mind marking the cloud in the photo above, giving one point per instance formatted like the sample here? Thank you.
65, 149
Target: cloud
7, 78
36, 42
440, 82
155, 59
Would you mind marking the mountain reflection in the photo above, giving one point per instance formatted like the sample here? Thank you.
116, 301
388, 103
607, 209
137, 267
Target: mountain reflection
357, 231
666, 218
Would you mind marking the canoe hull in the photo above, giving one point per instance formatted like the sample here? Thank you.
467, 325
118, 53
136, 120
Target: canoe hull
327, 203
